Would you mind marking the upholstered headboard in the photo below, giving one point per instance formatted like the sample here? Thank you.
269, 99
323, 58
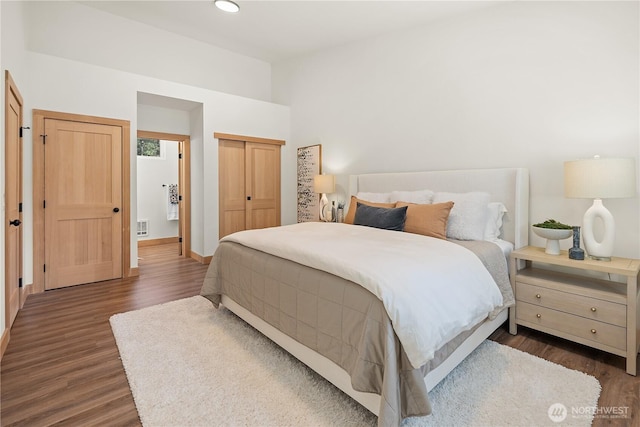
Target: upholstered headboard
507, 185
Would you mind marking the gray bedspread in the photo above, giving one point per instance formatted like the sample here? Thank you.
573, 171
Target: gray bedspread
338, 319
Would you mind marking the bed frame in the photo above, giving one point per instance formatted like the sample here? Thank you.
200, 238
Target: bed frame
508, 185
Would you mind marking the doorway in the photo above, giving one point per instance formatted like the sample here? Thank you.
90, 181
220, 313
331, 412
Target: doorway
180, 149
81, 199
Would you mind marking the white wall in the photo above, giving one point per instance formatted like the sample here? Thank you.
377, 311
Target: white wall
528, 84
154, 176
72, 30
160, 119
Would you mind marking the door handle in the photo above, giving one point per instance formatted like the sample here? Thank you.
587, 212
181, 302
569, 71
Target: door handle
15, 222
116, 210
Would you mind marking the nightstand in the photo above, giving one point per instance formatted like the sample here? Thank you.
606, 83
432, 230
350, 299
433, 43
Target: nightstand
596, 312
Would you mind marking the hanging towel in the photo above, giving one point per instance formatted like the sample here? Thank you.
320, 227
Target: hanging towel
172, 202
173, 194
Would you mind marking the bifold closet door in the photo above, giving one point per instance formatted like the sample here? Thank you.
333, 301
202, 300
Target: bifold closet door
249, 186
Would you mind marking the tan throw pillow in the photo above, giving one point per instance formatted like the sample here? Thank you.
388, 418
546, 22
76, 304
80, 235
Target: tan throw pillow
428, 220
351, 214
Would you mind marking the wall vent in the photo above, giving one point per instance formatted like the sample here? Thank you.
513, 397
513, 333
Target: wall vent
143, 227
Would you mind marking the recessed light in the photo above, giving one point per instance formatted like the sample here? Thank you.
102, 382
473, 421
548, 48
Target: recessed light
227, 5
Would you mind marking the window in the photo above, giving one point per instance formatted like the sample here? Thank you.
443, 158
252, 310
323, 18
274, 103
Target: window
149, 147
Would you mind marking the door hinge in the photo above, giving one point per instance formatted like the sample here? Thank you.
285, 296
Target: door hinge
44, 267
179, 198
23, 128
179, 239
179, 155
20, 207
20, 282
44, 204
44, 139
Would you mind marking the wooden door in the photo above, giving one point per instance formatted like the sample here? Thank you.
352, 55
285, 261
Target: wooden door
83, 203
13, 200
184, 184
232, 194
262, 185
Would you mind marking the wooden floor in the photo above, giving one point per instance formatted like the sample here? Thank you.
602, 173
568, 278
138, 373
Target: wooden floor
62, 365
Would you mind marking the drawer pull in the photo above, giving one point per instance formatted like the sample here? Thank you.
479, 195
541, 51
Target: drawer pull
538, 296
593, 331
538, 315
593, 309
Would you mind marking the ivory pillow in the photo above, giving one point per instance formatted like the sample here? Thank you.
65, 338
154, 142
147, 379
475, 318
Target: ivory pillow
419, 197
353, 205
374, 197
428, 220
467, 217
493, 225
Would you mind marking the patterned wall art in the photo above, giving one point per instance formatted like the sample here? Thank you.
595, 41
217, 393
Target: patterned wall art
309, 165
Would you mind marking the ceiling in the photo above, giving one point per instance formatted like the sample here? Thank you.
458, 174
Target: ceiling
276, 30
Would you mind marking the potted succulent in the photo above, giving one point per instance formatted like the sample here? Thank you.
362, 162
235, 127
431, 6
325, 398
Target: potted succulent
553, 231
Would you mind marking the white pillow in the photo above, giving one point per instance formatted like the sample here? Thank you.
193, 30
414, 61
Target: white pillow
374, 197
468, 216
420, 197
493, 225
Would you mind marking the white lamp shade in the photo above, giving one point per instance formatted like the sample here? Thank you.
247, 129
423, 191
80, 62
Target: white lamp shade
324, 184
600, 178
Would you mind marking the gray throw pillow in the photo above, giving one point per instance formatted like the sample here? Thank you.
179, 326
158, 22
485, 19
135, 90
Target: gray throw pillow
385, 218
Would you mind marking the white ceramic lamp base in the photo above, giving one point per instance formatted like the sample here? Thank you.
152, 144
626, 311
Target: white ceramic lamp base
324, 202
603, 249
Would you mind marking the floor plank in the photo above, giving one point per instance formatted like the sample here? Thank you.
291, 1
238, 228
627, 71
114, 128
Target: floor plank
62, 365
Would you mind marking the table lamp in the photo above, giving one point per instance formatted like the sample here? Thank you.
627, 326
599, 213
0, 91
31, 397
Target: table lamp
324, 184
599, 178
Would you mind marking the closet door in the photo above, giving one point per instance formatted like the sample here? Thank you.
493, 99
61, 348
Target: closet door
232, 195
249, 183
262, 185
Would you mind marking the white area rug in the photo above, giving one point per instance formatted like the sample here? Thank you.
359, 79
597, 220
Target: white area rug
190, 364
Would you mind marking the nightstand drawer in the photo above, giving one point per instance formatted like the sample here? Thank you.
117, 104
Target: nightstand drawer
604, 333
590, 308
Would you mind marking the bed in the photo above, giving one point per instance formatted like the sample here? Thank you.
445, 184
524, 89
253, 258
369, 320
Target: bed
310, 305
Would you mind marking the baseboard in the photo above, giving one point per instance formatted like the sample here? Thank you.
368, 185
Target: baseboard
4, 342
134, 272
201, 259
25, 291
156, 242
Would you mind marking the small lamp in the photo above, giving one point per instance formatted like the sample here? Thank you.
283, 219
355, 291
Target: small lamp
324, 184
599, 179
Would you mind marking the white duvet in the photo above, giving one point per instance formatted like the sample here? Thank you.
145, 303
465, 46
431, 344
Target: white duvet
431, 289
